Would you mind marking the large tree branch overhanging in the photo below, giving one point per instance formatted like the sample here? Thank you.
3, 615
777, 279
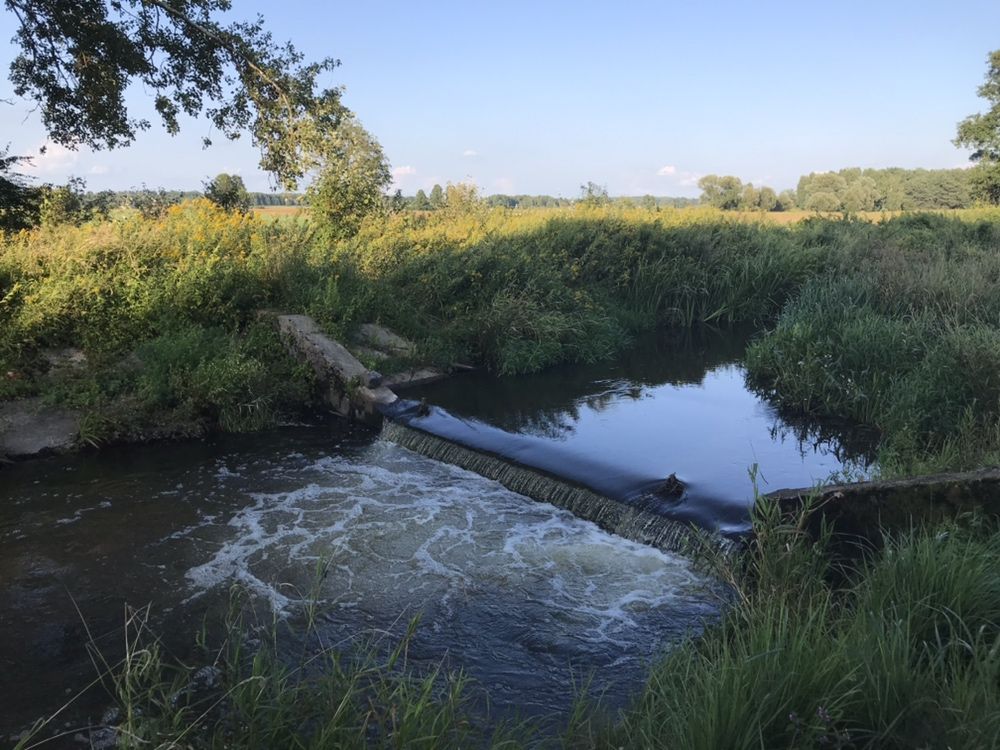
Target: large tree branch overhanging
225, 40
78, 57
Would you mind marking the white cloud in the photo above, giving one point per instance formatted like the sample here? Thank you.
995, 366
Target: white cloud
667, 171
404, 171
54, 159
99, 169
469, 153
689, 179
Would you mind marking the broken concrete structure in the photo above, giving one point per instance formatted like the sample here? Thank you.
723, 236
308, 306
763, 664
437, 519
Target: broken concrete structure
352, 390
28, 428
862, 510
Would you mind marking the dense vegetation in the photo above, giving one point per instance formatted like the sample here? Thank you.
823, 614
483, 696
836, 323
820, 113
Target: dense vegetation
849, 190
894, 324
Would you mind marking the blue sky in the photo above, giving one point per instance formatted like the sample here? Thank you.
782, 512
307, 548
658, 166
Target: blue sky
644, 97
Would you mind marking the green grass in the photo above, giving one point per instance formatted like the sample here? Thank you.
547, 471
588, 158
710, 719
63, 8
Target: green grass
903, 653
902, 333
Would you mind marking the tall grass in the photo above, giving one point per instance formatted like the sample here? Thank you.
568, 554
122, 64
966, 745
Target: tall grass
902, 333
245, 687
166, 309
903, 652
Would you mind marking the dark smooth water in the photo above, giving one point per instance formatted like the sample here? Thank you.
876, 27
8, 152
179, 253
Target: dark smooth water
524, 597
675, 404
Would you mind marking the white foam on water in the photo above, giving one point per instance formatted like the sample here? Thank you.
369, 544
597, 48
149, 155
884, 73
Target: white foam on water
402, 534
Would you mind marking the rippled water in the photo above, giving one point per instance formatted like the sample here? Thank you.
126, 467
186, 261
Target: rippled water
523, 596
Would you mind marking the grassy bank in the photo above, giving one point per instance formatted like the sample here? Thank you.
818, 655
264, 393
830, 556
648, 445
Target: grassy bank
896, 651
894, 323
166, 310
901, 331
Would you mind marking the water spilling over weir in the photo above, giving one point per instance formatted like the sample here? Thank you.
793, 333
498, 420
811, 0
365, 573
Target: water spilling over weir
523, 596
646, 447
630, 507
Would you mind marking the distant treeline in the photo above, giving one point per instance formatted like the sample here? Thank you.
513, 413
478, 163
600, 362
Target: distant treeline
853, 189
885, 190
277, 199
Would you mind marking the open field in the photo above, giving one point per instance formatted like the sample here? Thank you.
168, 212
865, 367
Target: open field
269, 211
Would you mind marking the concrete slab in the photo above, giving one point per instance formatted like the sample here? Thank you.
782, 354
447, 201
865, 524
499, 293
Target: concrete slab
381, 338
353, 391
27, 428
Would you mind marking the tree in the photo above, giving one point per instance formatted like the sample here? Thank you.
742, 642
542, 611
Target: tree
786, 201
152, 204
420, 202
437, 197
71, 203
724, 192
228, 192
749, 198
462, 198
20, 203
77, 59
767, 199
981, 133
861, 195
824, 201
593, 194
351, 177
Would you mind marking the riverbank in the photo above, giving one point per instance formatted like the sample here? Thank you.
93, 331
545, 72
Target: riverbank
892, 324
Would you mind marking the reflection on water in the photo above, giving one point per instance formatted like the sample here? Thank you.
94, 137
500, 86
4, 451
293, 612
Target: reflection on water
673, 405
522, 596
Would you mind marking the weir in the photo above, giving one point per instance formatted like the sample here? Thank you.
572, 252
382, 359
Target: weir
641, 509
647, 509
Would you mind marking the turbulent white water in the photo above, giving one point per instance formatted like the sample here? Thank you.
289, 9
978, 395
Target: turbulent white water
523, 597
402, 534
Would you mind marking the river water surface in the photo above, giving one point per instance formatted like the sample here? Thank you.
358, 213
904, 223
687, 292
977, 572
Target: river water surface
525, 598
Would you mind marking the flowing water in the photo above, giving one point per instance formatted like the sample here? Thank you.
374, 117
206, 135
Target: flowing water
523, 596
674, 405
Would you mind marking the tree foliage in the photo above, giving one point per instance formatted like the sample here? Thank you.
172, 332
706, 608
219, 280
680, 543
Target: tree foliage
725, 192
77, 59
593, 194
437, 197
228, 192
19, 201
892, 189
981, 133
351, 176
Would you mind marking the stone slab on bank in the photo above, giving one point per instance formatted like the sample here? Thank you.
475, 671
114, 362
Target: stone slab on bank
864, 509
352, 390
28, 428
